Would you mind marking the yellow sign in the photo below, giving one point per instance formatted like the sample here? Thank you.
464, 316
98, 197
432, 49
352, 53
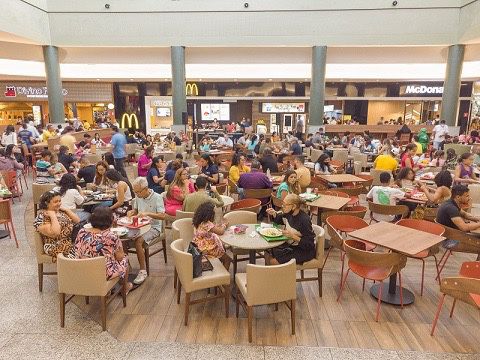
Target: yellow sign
130, 118
191, 90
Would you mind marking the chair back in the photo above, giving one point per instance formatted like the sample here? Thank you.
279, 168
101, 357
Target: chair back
376, 176
93, 158
474, 191
362, 158
169, 156
183, 214
194, 170
422, 225
346, 223
318, 183
340, 155
271, 284
319, 242
39, 189
467, 243
239, 217
357, 211
357, 253
85, 277
388, 209
258, 193
183, 263
39, 252
470, 269
366, 184
352, 191
336, 239
221, 188
307, 151
252, 205
315, 154
10, 178
5, 210
183, 229
334, 193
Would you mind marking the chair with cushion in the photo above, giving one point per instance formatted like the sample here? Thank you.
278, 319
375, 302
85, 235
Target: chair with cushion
340, 155
183, 214
42, 259
37, 192
252, 205
428, 227
87, 277
221, 188
182, 229
391, 210
375, 266
317, 262
219, 277
263, 285
194, 170
464, 287
315, 154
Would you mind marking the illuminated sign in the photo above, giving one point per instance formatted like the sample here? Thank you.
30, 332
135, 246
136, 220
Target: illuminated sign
412, 89
191, 90
130, 118
283, 107
29, 91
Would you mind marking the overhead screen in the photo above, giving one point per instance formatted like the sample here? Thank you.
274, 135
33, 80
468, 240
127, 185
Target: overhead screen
220, 112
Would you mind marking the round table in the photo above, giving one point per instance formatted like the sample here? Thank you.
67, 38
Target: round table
247, 242
227, 200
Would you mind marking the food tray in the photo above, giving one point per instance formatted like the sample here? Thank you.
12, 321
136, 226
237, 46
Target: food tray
271, 239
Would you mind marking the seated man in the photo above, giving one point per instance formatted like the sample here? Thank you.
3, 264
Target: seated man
450, 213
255, 179
385, 195
87, 171
295, 147
146, 204
386, 162
194, 200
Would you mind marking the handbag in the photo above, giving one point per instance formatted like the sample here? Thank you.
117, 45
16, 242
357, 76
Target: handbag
196, 259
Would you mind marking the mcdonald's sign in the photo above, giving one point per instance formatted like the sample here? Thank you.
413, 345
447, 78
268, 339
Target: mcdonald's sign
132, 121
191, 90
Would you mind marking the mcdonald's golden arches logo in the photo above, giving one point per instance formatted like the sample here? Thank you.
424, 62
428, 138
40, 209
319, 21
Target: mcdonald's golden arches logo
191, 90
131, 118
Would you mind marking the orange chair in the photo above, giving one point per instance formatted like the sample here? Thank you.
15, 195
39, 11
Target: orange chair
10, 178
374, 266
253, 205
429, 227
465, 287
353, 192
391, 210
358, 211
6, 218
366, 184
221, 188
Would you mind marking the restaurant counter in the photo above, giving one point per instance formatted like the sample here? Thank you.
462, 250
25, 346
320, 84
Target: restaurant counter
382, 131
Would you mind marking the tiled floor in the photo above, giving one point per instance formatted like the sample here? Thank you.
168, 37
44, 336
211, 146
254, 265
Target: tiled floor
29, 322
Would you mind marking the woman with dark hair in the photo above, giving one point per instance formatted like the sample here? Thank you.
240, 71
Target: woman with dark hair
172, 168
154, 178
148, 142
97, 140
289, 185
99, 240
322, 166
72, 195
8, 161
180, 187
9, 137
252, 143
100, 170
407, 156
55, 225
438, 159
109, 159
206, 233
443, 192
208, 169
405, 177
145, 161
123, 192
464, 171
238, 168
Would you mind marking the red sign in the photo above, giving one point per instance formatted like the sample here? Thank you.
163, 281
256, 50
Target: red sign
10, 91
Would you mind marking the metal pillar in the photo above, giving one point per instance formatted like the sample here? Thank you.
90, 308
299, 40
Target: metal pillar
317, 87
451, 87
179, 98
54, 84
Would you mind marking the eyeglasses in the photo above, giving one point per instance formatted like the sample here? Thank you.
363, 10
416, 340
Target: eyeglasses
141, 190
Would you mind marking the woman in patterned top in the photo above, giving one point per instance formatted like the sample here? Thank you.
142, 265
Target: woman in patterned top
55, 225
100, 241
206, 232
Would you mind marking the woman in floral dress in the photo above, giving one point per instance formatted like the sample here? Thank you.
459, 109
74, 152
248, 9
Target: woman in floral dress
55, 225
100, 241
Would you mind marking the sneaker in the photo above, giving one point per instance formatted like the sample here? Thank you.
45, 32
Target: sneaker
142, 275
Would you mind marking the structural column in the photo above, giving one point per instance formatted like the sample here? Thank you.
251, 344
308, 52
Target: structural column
317, 87
179, 97
451, 86
54, 84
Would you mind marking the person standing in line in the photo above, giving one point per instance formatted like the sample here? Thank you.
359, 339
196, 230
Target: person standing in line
438, 133
299, 129
119, 151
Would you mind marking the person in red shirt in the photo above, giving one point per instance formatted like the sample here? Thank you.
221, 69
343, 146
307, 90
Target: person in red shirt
407, 156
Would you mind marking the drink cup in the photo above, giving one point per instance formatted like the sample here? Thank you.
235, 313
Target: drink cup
309, 190
135, 221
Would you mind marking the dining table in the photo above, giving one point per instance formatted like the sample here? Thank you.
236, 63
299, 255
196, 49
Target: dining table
400, 239
327, 202
341, 178
250, 240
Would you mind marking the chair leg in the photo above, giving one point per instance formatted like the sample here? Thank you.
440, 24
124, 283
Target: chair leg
436, 266
342, 256
62, 309
319, 279
147, 260
453, 307
423, 277
104, 312
164, 244
447, 253
187, 307
250, 322
237, 301
226, 290
401, 289
276, 306
363, 285
342, 285
379, 302
234, 264
292, 315
124, 289
87, 300
442, 299
175, 277
179, 288
40, 277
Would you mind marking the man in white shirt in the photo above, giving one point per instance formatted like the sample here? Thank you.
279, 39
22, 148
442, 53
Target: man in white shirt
31, 127
439, 132
228, 142
384, 195
221, 140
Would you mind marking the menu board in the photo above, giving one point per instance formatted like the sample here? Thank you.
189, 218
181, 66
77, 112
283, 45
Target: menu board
163, 111
283, 107
215, 111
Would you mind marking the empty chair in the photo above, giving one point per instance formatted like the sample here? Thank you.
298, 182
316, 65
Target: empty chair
252, 205
366, 184
361, 158
219, 277
87, 277
373, 266
340, 155
259, 194
465, 287
263, 285
358, 211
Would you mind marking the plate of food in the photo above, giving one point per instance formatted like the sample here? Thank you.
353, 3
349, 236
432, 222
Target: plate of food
119, 231
309, 196
130, 223
87, 226
270, 232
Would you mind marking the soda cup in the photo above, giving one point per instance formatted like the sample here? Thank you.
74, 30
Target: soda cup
135, 221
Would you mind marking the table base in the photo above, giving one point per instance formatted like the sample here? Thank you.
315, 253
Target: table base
392, 298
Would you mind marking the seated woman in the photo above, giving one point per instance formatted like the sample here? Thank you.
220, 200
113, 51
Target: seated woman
205, 234
205, 146
100, 179
55, 225
322, 167
178, 189
8, 162
298, 227
100, 241
438, 159
123, 192
443, 192
407, 156
72, 195
464, 171
238, 168
208, 169
57, 166
145, 161
109, 159
97, 140
289, 185
405, 177
155, 180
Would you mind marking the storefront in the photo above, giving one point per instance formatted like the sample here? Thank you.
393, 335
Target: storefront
29, 100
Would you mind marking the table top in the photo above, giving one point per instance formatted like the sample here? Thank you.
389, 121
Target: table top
341, 178
143, 230
397, 238
247, 242
227, 200
329, 202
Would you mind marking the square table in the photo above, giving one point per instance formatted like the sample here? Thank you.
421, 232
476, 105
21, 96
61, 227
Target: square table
327, 202
341, 178
400, 239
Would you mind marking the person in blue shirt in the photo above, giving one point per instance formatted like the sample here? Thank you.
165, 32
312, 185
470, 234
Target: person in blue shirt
295, 147
208, 169
26, 136
119, 151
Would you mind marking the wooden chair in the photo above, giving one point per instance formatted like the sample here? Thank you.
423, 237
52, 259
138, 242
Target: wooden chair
37, 192
42, 259
366, 184
318, 183
429, 227
465, 287
361, 158
266, 285
375, 174
219, 277
259, 194
340, 155
374, 266
338, 165
393, 210
221, 188
317, 262
11, 182
87, 277
252, 205
358, 211
7, 219
354, 192
182, 229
